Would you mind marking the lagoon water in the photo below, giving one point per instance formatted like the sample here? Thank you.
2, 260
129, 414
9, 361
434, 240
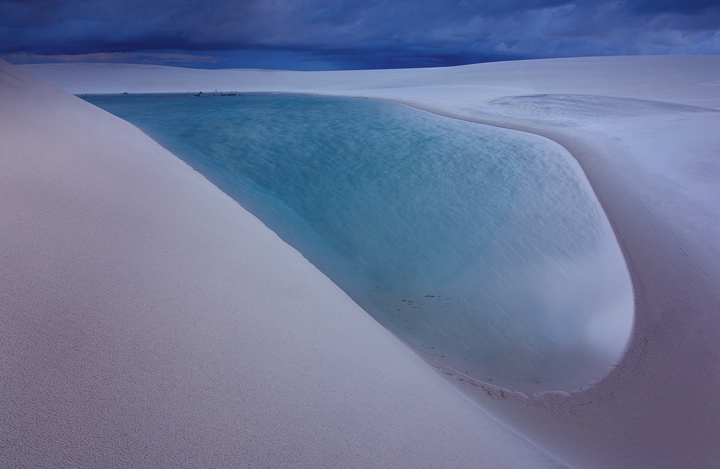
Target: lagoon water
483, 248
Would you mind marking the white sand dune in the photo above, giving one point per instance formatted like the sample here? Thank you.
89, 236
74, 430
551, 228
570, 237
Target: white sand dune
147, 319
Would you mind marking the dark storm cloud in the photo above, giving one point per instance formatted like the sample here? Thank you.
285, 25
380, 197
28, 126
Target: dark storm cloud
673, 6
356, 34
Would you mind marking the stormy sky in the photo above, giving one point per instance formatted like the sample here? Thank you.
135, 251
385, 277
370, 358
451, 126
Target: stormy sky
326, 35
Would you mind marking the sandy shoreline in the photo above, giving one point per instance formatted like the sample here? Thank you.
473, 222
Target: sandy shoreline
644, 130
657, 408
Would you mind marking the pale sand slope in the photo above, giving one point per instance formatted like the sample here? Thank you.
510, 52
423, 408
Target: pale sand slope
147, 320
655, 168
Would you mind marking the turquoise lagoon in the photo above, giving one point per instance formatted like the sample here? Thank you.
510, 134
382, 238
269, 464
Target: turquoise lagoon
483, 248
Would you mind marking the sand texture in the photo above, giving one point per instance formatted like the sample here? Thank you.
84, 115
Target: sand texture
122, 307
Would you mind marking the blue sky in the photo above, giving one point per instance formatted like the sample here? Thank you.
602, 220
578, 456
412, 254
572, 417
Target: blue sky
326, 35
